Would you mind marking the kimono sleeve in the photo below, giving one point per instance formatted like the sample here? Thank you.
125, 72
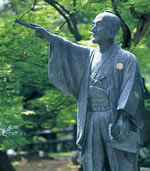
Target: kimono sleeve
131, 87
66, 65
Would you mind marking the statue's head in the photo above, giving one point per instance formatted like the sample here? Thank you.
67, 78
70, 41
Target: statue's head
105, 27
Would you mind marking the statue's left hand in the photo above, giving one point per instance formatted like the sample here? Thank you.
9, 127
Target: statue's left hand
123, 123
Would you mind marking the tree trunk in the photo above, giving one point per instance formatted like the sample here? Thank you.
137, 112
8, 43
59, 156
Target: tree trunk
5, 164
126, 31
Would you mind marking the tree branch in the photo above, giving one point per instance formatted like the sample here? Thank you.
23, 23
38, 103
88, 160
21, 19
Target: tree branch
134, 13
142, 26
73, 18
61, 13
68, 16
61, 26
74, 3
62, 7
31, 9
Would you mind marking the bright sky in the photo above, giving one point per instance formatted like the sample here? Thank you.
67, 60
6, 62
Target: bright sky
2, 2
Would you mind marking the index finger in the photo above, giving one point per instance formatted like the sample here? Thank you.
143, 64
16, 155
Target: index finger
35, 25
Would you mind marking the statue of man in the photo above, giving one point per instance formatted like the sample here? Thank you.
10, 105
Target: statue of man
107, 84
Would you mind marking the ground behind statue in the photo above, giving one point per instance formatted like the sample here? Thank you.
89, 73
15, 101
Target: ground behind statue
49, 165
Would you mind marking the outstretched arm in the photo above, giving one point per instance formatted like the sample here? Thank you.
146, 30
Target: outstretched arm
40, 31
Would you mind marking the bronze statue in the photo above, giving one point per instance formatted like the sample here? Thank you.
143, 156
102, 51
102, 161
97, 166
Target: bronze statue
107, 83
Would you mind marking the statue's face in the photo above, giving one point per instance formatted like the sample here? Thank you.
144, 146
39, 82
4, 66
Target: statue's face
100, 30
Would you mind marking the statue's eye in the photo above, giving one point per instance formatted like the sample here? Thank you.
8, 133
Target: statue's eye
99, 24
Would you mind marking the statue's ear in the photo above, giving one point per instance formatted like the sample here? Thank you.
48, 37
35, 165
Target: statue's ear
111, 34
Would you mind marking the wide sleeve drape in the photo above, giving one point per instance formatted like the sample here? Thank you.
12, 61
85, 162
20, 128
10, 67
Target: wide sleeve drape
66, 65
131, 96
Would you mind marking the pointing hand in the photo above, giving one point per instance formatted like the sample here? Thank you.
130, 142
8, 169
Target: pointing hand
41, 32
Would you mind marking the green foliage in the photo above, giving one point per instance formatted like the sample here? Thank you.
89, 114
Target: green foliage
142, 51
84, 1
54, 109
11, 104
